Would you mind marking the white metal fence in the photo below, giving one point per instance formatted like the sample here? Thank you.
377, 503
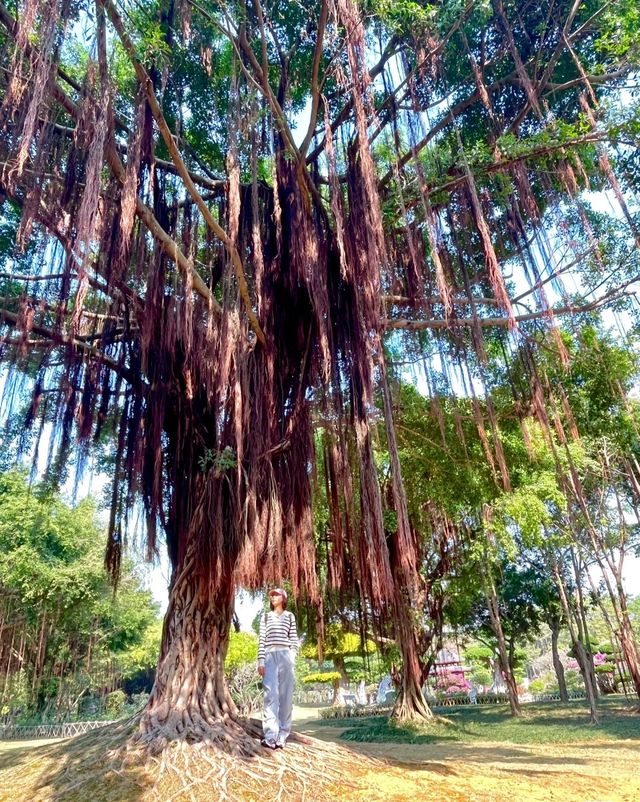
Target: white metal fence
10, 732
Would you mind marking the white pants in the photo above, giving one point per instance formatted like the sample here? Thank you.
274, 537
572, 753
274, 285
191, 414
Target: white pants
278, 695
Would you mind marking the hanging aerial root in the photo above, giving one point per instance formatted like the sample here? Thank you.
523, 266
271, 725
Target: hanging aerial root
111, 764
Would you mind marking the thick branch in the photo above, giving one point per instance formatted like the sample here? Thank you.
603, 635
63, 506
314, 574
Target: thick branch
58, 338
315, 70
215, 185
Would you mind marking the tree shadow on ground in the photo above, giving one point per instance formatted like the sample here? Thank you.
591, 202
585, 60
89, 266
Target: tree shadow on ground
99, 767
429, 753
550, 723
71, 770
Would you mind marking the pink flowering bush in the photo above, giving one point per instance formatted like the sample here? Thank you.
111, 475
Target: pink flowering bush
605, 672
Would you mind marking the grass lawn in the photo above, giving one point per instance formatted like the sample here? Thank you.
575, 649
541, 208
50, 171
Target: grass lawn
540, 724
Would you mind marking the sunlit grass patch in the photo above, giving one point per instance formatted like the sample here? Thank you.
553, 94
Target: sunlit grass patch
540, 724
382, 730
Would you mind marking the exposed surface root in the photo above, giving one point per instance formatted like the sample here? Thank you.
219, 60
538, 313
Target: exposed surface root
114, 764
240, 739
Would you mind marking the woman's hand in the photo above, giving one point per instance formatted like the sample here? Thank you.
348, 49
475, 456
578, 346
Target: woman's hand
261, 671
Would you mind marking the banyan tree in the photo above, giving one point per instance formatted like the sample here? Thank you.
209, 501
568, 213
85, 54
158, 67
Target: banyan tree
217, 216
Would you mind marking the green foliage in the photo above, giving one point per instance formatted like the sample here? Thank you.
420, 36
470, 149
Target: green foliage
115, 703
479, 653
52, 578
405, 15
436, 464
338, 643
573, 680
481, 658
619, 37
482, 676
142, 657
219, 462
243, 650
339, 713
531, 508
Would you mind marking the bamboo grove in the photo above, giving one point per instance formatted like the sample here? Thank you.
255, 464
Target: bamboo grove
222, 218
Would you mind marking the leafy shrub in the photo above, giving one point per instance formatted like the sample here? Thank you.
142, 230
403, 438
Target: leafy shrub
573, 679
481, 676
135, 703
115, 704
493, 698
547, 683
242, 650
454, 699
354, 712
246, 689
322, 676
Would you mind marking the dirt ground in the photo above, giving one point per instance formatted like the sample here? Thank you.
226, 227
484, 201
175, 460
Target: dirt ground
487, 772
384, 772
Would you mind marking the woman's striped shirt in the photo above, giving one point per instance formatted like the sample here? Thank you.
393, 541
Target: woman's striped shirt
277, 632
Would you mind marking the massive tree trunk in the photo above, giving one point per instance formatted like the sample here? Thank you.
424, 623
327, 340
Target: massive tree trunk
410, 704
190, 700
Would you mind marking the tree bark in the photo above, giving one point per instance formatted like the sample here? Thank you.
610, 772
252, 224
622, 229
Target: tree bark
410, 704
628, 643
581, 619
606, 559
190, 700
557, 663
338, 684
491, 596
572, 618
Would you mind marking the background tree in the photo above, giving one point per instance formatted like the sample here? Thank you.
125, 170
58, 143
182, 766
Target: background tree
339, 646
63, 635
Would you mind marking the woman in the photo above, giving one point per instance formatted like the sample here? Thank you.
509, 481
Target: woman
277, 649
